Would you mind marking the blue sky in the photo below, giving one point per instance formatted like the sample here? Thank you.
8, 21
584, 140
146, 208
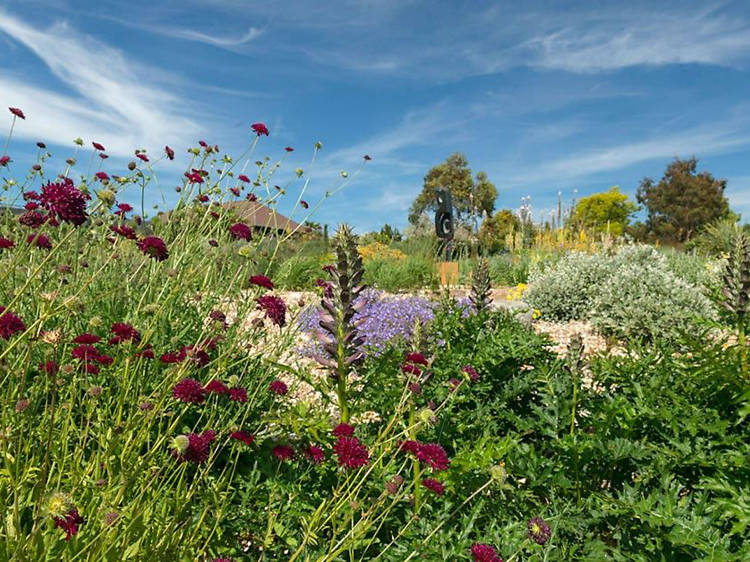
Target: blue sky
543, 96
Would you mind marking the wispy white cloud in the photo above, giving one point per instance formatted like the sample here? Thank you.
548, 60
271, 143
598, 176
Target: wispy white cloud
112, 99
215, 40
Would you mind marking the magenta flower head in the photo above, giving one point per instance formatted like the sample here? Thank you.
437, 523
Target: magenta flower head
69, 523
274, 308
289, 149
217, 387
154, 247
351, 453
189, 391
367, 157
64, 201
472, 372
6, 243
193, 447
261, 281
98, 146
416, 357
315, 454
484, 553
86, 338
538, 530
434, 485
343, 430
260, 129
102, 176
142, 156
243, 178
41, 241
10, 324
238, 394
283, 452
304, 204
243, 436
124, 332
278, 387
169, 152
4, 160
17, 112
241, 231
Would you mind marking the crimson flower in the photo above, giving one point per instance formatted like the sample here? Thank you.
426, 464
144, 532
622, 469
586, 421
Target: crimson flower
189, 391
472, 372
87, 338
10, 324
123, 332
154, 247
41, 241
64, 201
243, 178
238, 394
123, 208
197, 450
246, 438
538, 530
18, 113
203, 143
41, 145
261, 281
484, 553
70, 522
123, 230
315, 454
434, 485
169, 152
283, 452
235, 191
217, 387
289, 149
98, 146
343, 430
410, 369
142, 156
102, 176
367, 157
49, 367
241, 231
260, 128
31, 206
274, 308
6, 243
147, 353
4, 160
350, 452
416, 357
304, 204
251, 197
278, 387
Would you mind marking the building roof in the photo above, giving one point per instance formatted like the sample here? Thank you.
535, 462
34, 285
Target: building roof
255, 214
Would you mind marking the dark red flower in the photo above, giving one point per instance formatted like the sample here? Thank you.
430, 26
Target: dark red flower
330, 268
538, 530
31, 195
326, 286
49, 367
246, 438
315, 454
410, 369
238, 394
142, 156
98, 146
147, 353
260, 128
235, 191
217, 387
434, 485
123, 332
32, 219
169, 152
367, 157
103, 156
204, 199
189, 391
18, 113
10, 324
123, 209
123, 230
251, 197
243, 177
154, 247
343, 430
433, 455
31, 206
173, 357
471, 371
64, 201
283, 452
393, 486
351, 453
203, 143
289, 149
41, 145
278, 387
41, 241
261, 281
274, 307
416, 357
102, 176
87, 338
241, 231
213, 243
5, 160
6, 243
194, 177
484, 553
304, 204
198, 447
69, 523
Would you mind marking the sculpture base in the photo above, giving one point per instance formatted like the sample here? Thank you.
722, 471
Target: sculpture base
448, 273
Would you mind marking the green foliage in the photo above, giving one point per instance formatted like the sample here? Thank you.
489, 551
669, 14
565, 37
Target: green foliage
468, 194
682, 202
412, 272
608, 211
496, 228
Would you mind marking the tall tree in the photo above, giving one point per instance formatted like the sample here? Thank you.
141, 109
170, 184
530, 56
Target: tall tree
468, 195
495, 228
683, 201
606, 211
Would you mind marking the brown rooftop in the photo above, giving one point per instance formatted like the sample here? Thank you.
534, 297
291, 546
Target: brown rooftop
257, 215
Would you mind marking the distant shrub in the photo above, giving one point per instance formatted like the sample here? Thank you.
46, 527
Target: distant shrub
392, 275
377, 250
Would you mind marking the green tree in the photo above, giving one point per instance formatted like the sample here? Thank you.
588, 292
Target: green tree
388, 234
682, 202
469, 195
496, 227
609, 210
